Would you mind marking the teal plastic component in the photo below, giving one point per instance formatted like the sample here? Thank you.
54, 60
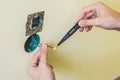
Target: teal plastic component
32, 43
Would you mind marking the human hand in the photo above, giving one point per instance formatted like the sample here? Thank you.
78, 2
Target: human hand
39, 68
100, 15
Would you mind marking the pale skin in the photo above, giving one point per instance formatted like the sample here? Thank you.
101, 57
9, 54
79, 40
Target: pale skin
97, 14
39, 68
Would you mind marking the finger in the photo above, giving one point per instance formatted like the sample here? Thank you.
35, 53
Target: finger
43, 51
90, 15
88, 22
86, 10
81, 29
35, 59
82, 15
87, 28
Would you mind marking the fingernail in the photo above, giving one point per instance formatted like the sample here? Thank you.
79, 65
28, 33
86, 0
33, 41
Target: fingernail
44, 46
81, 23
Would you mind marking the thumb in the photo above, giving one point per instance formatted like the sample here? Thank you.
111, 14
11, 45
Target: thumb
88, 22
43, 51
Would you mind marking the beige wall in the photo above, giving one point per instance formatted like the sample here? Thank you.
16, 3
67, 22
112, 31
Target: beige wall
85, 56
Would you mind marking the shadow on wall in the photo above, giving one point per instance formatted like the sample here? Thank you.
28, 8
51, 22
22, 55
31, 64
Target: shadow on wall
64, 64
58, 60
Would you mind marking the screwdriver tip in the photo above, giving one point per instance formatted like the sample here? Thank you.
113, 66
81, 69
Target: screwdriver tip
54, 48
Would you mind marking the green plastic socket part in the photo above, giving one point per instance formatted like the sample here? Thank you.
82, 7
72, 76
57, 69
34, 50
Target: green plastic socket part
32, 43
